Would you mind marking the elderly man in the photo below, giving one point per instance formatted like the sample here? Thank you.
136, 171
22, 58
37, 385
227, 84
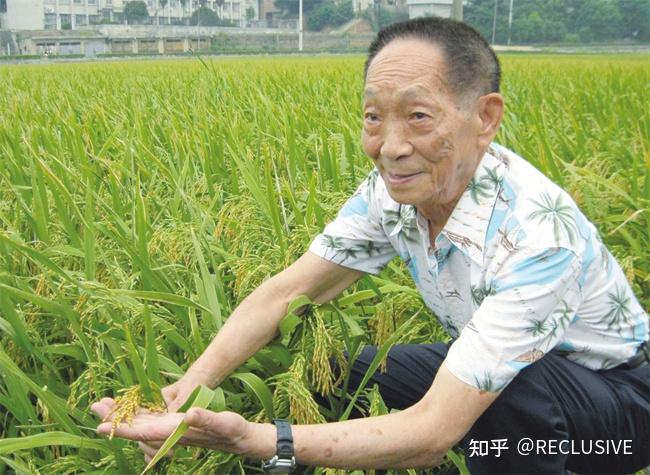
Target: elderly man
549, 341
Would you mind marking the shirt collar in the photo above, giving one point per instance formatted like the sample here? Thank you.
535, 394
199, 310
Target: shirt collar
468, 223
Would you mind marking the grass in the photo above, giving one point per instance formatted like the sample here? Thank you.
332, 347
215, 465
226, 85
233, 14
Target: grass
140, 202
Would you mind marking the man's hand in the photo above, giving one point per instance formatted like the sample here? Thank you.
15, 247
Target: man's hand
177, 393
254, 323
226, 431
175, 396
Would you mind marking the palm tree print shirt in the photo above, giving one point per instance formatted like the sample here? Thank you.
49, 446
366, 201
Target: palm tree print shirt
517, 271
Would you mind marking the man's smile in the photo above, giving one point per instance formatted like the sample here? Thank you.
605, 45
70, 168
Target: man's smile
401, 178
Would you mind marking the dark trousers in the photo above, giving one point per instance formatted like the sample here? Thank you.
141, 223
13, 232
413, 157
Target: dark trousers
552, 400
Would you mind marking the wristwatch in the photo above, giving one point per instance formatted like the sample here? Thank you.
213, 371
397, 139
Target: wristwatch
283, 461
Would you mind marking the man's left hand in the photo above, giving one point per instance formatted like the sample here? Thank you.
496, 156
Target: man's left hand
225, 431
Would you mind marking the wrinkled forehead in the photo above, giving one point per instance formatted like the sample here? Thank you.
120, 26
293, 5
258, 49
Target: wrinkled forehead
407, 92
407, 61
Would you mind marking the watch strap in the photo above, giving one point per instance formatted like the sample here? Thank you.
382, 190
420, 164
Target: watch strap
285, 438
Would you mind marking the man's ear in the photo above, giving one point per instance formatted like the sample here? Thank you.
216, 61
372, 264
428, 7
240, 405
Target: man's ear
490, 111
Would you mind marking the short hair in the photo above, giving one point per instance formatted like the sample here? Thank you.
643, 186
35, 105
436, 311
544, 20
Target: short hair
472, 65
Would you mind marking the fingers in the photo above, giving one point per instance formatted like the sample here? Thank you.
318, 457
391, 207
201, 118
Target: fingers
169, 394
179, 399
199, 418
224, 424
148, 450
174, 397
104, 407
174, 404
215, 430
153, 444
151, 448
144, 427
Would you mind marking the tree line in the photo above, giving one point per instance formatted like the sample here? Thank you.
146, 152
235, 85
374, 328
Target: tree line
533, 21
548, 21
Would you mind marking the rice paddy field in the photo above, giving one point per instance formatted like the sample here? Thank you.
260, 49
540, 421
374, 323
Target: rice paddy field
141, 201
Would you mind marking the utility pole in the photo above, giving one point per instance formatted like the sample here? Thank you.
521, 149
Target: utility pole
510, 23
377, 4
299, 25
457, 10
494, 20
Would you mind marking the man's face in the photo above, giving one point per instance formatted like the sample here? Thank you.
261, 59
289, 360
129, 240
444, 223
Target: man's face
422, 138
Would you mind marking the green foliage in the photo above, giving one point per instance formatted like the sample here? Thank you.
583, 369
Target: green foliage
380, 17
169, 190
223, 42
135, 11
204, 16
290, 7
330, 13
545, 21
636, 19
250, 13
20, 56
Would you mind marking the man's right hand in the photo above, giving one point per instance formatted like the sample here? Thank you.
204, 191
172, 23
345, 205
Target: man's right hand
177, 393
175, 396
254, 323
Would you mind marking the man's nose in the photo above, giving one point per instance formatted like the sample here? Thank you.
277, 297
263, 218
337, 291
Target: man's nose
395, 144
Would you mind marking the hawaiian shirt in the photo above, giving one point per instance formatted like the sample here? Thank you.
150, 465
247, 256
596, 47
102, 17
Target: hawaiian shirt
517, 271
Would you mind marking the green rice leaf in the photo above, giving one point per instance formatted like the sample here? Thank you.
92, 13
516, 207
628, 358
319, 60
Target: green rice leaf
151, 352
8, 446
458, 462
255, 384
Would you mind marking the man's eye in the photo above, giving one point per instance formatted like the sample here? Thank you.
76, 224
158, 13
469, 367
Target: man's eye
419, 115
371, 117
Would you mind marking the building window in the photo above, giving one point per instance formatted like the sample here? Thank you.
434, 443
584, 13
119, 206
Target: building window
93, 19
3, 6
50, 21
80, 20
77, 2
92, 2
66, 22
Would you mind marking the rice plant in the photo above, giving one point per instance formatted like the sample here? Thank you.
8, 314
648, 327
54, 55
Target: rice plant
140, 202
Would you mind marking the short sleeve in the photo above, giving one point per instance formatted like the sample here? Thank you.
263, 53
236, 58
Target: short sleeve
524, 314
356, 239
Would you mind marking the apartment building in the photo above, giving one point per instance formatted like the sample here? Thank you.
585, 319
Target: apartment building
72, 14
420, 8
268, 12
361, 5
20, 14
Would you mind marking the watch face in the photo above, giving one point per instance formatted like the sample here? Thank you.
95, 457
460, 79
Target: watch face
279, 465
279, 470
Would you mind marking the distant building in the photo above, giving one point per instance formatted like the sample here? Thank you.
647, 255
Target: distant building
19, 14
269, 12
420, 8
71, 14
361, 5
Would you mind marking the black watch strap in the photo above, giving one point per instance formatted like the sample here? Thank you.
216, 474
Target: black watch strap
285, 438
